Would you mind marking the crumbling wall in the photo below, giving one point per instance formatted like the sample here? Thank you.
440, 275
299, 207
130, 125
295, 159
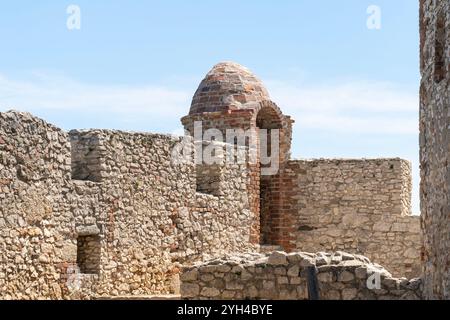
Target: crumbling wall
153, 216
281, 276
36, 236
435, 145
123, 234
359, 206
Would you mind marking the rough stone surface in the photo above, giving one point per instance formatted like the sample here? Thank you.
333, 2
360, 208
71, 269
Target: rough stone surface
125, 223
435, 146
360, 206
336, 281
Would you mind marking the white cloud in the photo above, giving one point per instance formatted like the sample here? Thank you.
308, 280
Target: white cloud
358, 107
59, 93
382, 125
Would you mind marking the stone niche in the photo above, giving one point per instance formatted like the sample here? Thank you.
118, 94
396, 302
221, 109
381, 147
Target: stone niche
208, 178
88, 254
86, 156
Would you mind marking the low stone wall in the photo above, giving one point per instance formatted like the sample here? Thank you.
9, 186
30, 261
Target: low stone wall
282, 276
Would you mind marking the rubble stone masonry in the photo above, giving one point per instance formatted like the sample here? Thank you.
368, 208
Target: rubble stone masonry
360, 206
295, 276
126, 230
435, 145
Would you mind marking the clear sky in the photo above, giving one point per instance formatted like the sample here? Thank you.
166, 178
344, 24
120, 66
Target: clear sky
135, 65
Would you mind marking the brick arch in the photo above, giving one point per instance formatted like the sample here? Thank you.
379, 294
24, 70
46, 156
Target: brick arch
269, 116
268, 107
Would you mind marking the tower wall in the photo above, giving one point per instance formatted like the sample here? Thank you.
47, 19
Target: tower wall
435, 145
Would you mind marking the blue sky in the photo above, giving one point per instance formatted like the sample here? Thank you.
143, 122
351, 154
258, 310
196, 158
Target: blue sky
135, 65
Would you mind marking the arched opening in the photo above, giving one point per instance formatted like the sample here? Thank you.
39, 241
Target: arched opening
268, 123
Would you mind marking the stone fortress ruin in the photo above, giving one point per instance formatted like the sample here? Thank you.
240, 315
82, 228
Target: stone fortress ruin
100, 213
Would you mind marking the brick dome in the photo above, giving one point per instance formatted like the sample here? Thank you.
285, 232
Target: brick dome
228, 86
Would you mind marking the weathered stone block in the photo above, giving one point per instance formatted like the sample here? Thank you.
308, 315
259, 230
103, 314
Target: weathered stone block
189, 290
325, 277
190, 275
278, 259
349, 294
293, 271
210, 292
346, 276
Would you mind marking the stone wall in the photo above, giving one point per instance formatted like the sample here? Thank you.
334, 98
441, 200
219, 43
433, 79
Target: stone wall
281, 276
142, 210
359, 206
435, 145
113, 208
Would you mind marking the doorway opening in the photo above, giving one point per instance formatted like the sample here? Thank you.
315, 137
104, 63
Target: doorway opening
268, 119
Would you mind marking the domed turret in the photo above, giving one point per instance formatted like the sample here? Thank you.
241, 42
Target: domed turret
232, 105
228, 86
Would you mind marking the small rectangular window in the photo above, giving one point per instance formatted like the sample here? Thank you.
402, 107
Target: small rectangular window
85, 156
88, 254
208, 179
